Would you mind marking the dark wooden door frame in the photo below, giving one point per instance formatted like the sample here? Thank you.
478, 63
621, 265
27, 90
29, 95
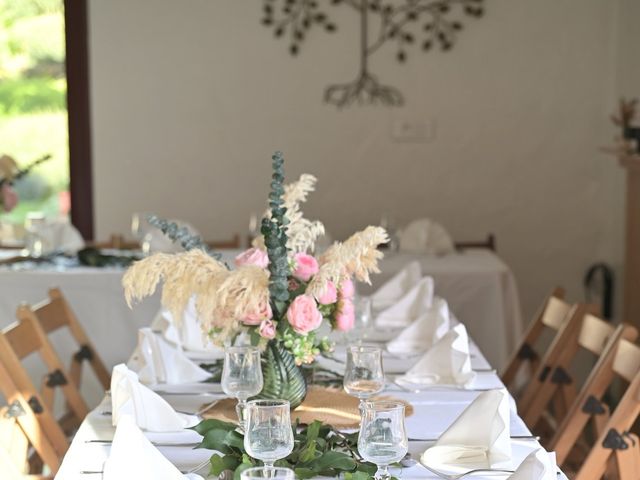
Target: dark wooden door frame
79, 114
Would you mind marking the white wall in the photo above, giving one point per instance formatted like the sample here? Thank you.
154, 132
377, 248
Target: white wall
191, 98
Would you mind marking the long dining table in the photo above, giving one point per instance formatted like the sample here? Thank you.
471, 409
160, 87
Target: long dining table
434, 410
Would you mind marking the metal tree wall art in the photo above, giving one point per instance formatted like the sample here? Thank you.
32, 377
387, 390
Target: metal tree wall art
407, 24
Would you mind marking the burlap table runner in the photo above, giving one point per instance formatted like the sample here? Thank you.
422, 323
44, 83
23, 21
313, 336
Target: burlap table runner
329, 405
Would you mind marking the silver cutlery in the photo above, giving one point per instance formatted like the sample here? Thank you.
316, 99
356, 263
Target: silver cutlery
184, 472
155, 444
447, 476
512, 437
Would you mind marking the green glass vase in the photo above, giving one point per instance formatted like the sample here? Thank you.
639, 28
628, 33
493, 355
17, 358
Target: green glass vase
283, 379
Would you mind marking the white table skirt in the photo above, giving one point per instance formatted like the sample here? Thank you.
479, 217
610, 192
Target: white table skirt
434, 410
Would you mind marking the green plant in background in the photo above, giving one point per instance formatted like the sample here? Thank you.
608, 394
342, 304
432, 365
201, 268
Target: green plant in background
319, 449
33, 117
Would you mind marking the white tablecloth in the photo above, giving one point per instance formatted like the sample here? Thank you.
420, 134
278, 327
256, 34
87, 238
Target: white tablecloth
96, 298
479, 287
434, 410
481, 292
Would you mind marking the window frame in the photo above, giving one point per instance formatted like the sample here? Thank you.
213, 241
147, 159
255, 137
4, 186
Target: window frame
79, 115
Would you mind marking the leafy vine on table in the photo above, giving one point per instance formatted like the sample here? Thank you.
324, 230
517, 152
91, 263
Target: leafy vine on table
319, 449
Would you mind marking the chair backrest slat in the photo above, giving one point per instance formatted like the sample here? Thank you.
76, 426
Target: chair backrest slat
627, 361
594, 333
555, 312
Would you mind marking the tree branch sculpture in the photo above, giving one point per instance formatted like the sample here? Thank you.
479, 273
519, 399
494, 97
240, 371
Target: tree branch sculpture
407, 24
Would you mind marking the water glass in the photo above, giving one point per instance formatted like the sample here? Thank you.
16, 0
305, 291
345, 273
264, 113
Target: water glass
363, 376
383, 437
241, 376
263, 473
268, 435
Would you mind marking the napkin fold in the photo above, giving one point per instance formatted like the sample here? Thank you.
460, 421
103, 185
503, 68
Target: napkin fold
447, 362
396, 287
425, 331
539, 465
59, 234
133, 456
425, 236
413, 304
478, 438
150, 411
157, 361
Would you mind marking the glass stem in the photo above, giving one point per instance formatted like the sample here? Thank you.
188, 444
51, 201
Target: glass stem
241, 408
383, 473
268, 466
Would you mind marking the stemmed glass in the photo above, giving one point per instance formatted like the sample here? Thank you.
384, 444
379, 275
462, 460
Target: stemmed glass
140, 229
269, 435
241, 376
383, 437
261, 473
363, 376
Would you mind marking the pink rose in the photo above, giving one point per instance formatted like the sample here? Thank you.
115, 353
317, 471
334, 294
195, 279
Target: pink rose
256, 318
303, 314
267, 329
253, 256
345, 316
306, 266
347, 288
9, 197
330, 294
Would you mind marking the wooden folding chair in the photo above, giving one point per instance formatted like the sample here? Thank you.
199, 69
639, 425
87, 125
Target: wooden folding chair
551, 315
26, 337
615, 443
623, 361
56, 313
553, 379
27, 421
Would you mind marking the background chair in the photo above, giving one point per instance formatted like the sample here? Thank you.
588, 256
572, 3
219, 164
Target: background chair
56, 313
551, 315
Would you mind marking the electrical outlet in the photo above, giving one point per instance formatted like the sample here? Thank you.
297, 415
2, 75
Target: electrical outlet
413, 130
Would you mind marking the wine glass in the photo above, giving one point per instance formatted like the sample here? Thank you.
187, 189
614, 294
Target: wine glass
363, 376
269, 435
383, 437
262, 473
241, 376
141, 231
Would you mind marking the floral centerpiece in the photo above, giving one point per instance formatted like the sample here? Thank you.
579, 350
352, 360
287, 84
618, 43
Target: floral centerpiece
278, 295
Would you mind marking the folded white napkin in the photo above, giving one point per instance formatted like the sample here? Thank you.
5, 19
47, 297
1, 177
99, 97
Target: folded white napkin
413, 304
157, 361
539, 465
58, 234
133, 456
395, 288
186, 333
425, 236
480, 436
150, 411
447, 362
424, 332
